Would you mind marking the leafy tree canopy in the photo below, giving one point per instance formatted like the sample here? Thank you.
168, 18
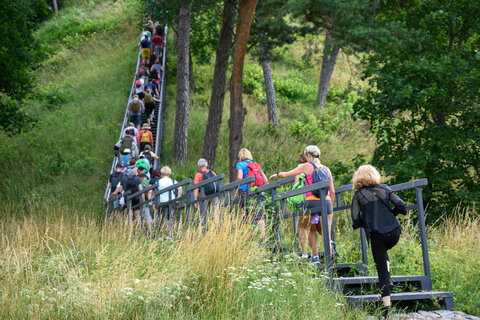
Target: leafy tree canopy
423, 103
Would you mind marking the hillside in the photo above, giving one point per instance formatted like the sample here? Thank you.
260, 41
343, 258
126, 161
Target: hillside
79, 102
58, 260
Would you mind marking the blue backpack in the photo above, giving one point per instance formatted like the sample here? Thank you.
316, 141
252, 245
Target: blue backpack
318, 176
125, 160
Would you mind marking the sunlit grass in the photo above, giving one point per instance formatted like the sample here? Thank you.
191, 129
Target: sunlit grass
61, 265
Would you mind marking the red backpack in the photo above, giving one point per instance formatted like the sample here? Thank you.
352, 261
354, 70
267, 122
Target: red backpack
254, 169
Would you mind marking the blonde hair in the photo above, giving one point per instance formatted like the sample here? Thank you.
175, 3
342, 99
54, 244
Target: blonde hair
244, 154
365, 176
166, 171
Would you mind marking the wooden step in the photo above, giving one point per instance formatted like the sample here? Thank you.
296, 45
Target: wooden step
371, 279
446, 297
342, 268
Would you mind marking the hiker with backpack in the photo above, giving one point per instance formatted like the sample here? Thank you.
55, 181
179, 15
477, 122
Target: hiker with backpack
149, 204
246, 167
131, 126
139, 88
142, 162
146, 46
150, 100
131, 168
371, 210
149, 155
155, 71
204, 173
165, 182
298, 202
114, 181
135, 106
145, 137
314, 172
127, 142
124, 158
142, 71
131, 182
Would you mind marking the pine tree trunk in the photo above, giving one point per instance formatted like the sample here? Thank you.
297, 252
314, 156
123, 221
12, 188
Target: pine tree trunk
269, 88
55, 6
217, 98
181, 118
237, 111
330, 55
191, 74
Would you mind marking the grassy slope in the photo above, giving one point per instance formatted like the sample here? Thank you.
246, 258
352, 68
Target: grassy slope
65, 158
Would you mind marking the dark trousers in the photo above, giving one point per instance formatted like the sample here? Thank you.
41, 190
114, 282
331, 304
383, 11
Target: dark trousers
381, 242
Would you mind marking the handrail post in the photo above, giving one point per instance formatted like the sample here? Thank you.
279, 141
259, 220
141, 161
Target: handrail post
276, 220
423, 237
325, 233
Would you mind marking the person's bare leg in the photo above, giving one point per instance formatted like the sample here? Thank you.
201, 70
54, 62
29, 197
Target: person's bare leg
303, 234
320, 231
312, 239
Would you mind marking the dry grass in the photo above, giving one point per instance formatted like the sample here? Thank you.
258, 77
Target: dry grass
53, 261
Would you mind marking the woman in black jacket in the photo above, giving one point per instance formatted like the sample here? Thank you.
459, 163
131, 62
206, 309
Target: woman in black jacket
371, 210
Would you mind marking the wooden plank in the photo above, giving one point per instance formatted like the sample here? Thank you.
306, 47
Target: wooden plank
236, 184
404, 296
370, 279
205, 182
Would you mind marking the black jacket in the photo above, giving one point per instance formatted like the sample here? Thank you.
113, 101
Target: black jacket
371, 209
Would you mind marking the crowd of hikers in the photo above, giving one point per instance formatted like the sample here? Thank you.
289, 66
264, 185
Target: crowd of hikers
371, 204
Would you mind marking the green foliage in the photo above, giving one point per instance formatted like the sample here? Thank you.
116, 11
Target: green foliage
76, 24
423, 105
205, 29
13, 118
315, 126
52, 96
18, 57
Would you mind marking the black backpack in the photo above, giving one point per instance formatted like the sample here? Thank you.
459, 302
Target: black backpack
148, 156
212, 187
175, 191
318, 176
144, 43
115, 179
131, 183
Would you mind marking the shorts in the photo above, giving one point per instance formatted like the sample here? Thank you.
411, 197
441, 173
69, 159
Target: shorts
310, 204
135, 202
149, 108
141, 95
146, 53
135, 118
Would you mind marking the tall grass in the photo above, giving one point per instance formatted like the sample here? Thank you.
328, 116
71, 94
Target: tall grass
456, 257
60, 265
